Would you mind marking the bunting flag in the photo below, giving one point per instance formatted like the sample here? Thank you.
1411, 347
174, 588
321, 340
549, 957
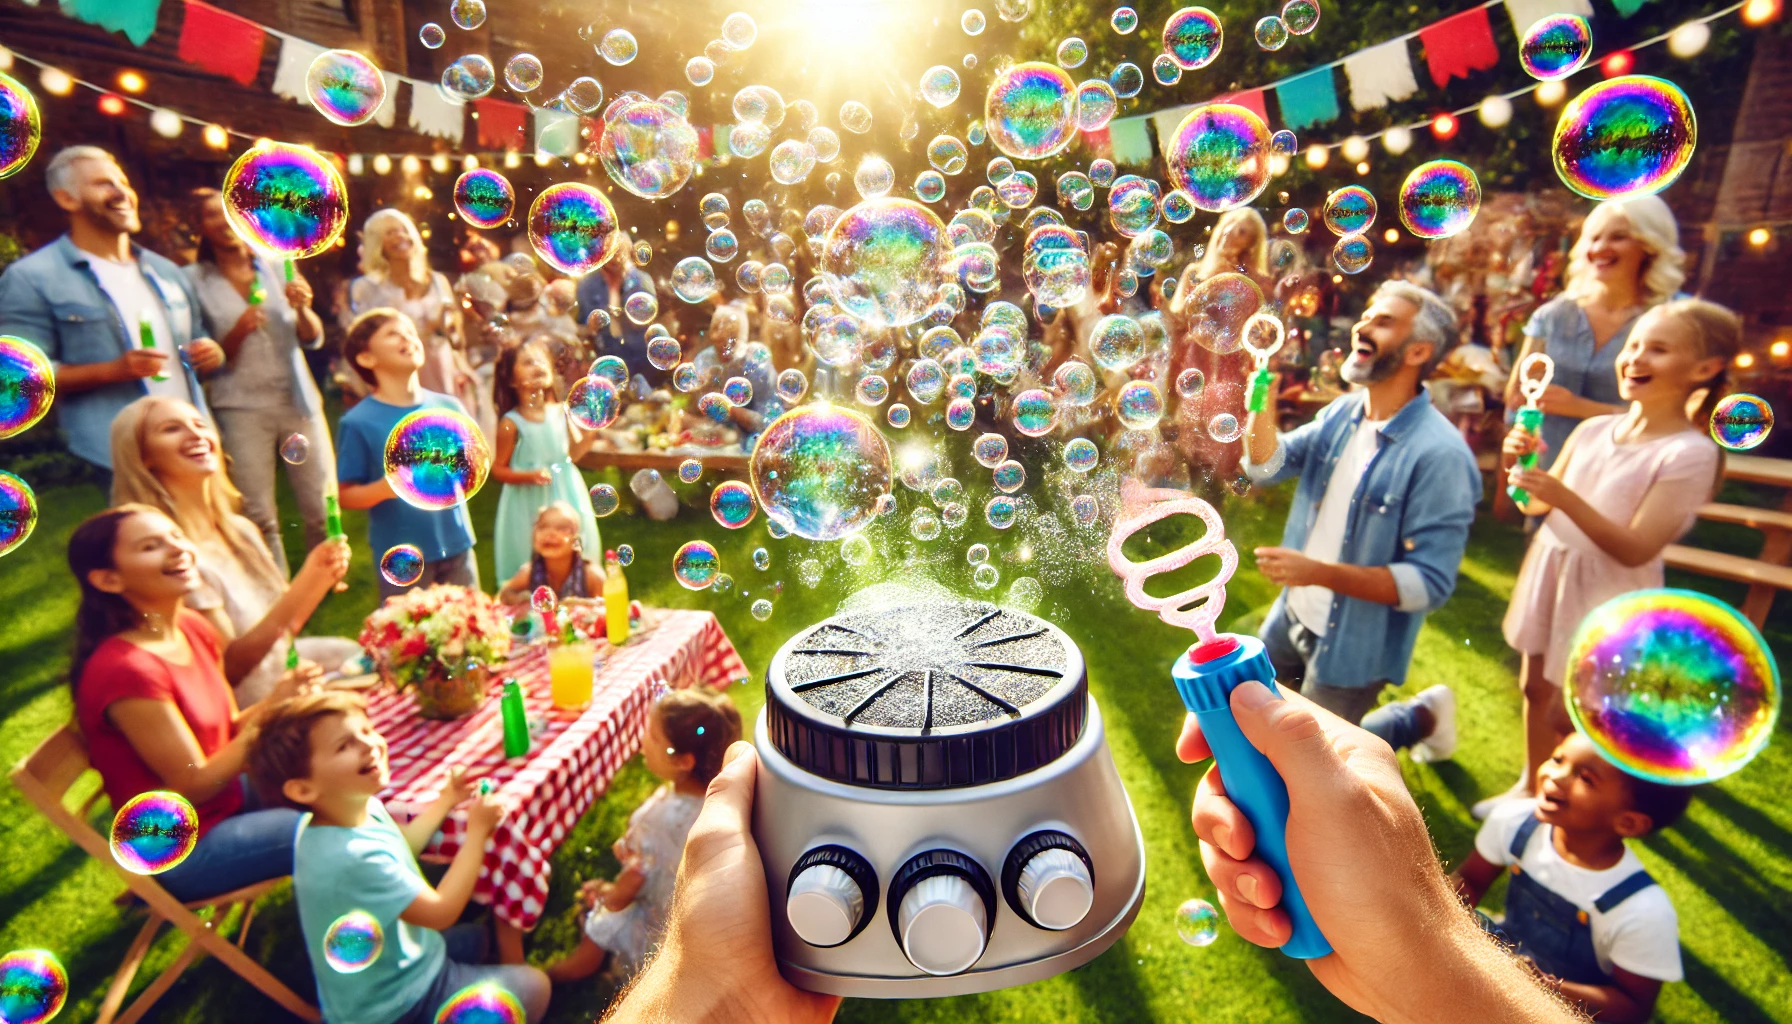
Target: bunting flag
706, 142
435, 114
1309, 99
296, 56
221, 43
1250, 99
1459, 45
501, 123
1380, 75
1100, 142
1628, 7
1525, 13
135, 18
1130, 140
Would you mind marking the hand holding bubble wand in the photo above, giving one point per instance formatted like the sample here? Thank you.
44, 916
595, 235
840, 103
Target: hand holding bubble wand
1530, 417
1257, 398
1205, 676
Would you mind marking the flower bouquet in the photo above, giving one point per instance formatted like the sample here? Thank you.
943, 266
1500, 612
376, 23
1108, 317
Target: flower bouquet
437, 641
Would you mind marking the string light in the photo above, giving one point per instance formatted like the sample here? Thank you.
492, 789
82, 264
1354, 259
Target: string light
1745, 360
513, 160
1550, 93
132, 82
1618, 62
1689, 40
1354, 149
166, 123
56, 81
1495, 111
1397, 141
382, 164
216, 137
439, 163
111, 104
1391, 235
469, 163
1318, 155
411, 165
1278, 164
1759, 237
1760, 12
1780, 349
1444, 126
357, 164
1362, 168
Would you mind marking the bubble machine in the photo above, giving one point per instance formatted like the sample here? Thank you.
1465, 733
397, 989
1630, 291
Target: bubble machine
937, 808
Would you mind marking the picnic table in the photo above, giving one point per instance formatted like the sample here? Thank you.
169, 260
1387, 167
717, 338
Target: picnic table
1767, 573
719, 460
572, 757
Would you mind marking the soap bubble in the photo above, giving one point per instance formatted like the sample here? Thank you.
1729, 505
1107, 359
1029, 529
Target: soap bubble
286, 201
1741, 421
1672, 686
593, 403
295, 449
544, 600
153, 832
930, 186
721, 245
523, 72
819, 471
467, 14
986, 576
1102, 171
1353, 253
1017, 190
625, 555
484, 198
693, 280
1224, 428
1117, 342
353, 941
18, 512
791, 161
1124, 20
345, 87
1009, 476
855, 117
1190, 383
648, 148
947, 154
1165, 70
585, 94
939, 85
1085, 508
1076, 382
874, 177
856, 550
432, 36
809, 573
471, 77
1075, 189
435, 458
960, 414
27, 385
1192, 37
1134, 204
1197, 922
1139, 405
1081, 455
696, 564
604, 500
1072, 52
883, 261
1034, 412
1055, 266
732, 504
761, 609
1000, 512
1030, 111
1301, 16
1271, 33
1349, 210
1555, 46
972, 22
897, 416
699, 71
599, 320
1439, 198
1624, 137
21, 126
33, 986
1126, 79
1219, 155
573, 227
739, 30
762, 559
759, 104
1295, 221
690, 470
738, 390
618, 46
612, 369
872, 390
484, 1003
402, 564
664, 352
990, 450
791, 386
1283, 143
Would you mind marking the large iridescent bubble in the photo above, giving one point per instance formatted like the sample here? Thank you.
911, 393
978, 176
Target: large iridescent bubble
648, 148
1349, 210
486, 1002
345, 87
1555, 46
286, 201
1738, 422
353, 942
1626, 136
1672, 686
21, 127
1219, 155
33, 986
153, 832
484, 198
1218, 309
435, 458
18, 512
820, 471
1030, 111
1192, 37
884, 259
1439, 198
574, 228
27, 385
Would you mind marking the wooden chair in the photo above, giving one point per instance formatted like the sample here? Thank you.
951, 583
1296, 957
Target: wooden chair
45, 777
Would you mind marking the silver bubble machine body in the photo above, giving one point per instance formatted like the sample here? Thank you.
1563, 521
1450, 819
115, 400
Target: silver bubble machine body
937, 808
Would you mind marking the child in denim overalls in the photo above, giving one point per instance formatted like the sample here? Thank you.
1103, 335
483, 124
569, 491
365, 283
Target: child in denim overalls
1580, 906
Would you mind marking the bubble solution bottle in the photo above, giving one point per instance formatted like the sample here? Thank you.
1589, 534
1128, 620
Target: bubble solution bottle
615, 600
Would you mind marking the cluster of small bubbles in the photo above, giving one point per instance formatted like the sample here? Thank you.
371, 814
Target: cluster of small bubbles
1197, 922
872, 390
1301, 16
402, 565
1193, 37
1223, 428
1295, 221
1076, 382
432, 36
761, 609
855, 117
1353, 254
1001, 511
1124, 20
732, 504
1349, 210
990, 450
1102, 171
939, 85
604, 500
960, 413
696, 564
1165, 70
897, 416
1139, 405
985, 576
618, 46
467, 14
1072, 52
1126, 79
1272, 33
1117, 342
625, 554
1009, 476
1085, 508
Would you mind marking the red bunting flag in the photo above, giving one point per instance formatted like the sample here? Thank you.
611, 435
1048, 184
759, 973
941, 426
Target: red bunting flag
1459, 45
706, 142
1099, 142
221, 43
1251, 100
501, 124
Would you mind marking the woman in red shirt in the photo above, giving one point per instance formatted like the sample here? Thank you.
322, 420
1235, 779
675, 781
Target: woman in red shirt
152, 700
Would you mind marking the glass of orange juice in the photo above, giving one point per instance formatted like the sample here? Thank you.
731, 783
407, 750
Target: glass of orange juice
570, 673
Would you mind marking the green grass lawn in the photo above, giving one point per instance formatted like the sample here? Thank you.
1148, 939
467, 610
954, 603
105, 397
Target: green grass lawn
1728, 865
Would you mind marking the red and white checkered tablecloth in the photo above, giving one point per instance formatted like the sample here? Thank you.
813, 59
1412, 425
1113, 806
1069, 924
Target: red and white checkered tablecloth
571, 759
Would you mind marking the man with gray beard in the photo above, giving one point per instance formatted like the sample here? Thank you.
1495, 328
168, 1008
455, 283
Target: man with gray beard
1375, 534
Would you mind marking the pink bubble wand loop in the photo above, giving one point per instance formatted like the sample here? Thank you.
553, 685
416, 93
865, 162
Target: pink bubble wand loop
1205, 676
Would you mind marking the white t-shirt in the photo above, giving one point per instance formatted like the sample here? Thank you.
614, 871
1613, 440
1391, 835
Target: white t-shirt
1641, 934
136, 299
1325, 540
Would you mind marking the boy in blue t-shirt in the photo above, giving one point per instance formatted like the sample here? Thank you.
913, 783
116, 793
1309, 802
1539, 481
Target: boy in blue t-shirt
320, 754
383, 347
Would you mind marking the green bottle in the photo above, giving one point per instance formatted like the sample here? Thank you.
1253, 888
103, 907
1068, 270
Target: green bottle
146, 339
333, 518
516, 720
1530, 418
258, 294
1257, 399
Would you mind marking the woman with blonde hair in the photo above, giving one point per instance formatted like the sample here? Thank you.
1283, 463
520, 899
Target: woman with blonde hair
167, 455
1626, 261
395, 273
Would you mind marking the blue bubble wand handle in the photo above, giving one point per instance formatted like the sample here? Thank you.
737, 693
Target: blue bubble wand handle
1529, 417
1205, 676
1257, 396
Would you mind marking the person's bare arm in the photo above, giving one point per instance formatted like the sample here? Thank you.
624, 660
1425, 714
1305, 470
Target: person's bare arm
1286, 567
625, 888
421, 829
440, 907
159, 733
133, 365
363, 496
506, 447
1657, 523
515, 589
324, 567
1629, 999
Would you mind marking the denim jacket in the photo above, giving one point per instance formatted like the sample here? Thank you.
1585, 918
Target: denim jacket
1411, 512
53, 300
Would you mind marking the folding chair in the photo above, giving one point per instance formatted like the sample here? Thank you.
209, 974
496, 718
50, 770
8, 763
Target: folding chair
45, 777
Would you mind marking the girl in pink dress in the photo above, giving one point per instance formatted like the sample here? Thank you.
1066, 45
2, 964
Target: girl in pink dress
1623, 488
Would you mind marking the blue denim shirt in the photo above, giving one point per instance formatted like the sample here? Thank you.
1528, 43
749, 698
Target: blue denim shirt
53, 300
1411, 512
624, 337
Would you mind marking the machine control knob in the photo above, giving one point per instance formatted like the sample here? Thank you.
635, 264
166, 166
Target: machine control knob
942, 910
1049, 880
830, 896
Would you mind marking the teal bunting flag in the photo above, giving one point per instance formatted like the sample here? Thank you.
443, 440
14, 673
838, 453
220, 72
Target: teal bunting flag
1628, 7
135, 18
1308, 99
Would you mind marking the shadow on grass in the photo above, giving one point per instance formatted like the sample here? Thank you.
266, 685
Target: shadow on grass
1731, 1005
1763, 910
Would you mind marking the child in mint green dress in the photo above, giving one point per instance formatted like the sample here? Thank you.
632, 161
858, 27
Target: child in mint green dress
536, 447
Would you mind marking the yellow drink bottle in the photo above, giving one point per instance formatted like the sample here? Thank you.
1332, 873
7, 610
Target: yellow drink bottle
615, 600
